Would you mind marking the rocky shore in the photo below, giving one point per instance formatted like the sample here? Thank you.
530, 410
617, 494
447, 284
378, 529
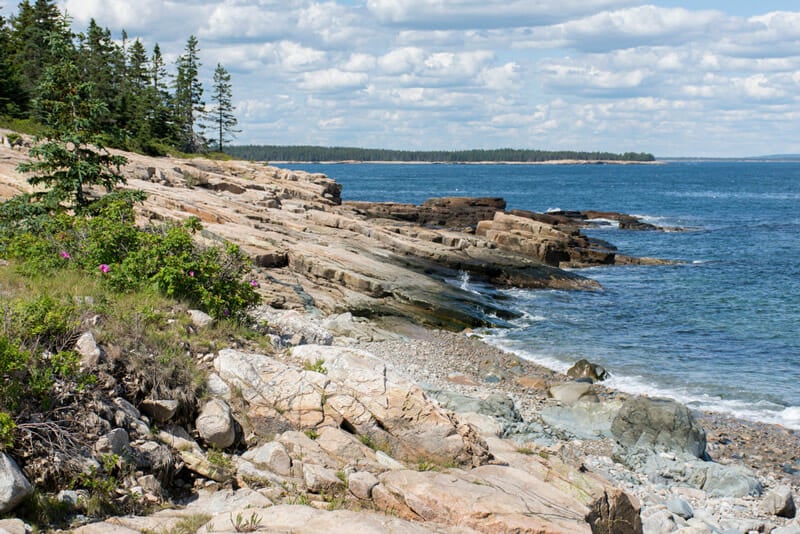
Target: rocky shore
377, 408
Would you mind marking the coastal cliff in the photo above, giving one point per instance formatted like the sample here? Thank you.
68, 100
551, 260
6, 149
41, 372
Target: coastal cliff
356, 410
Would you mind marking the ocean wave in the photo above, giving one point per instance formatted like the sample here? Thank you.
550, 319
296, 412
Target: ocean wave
760, 411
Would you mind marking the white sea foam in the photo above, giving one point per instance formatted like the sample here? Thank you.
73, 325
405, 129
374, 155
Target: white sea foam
604, 223
762, 411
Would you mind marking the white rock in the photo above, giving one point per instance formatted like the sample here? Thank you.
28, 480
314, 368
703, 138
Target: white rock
215, 424
680, 508
779, 502
14, 487
90, 353
161, 410
115, 442
200, 319
272, 456
572, 392
320, 479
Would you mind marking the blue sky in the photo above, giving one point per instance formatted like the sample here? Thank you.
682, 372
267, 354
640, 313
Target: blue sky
671, 77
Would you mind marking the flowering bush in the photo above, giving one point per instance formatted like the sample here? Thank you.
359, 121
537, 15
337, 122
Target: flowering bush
105, 238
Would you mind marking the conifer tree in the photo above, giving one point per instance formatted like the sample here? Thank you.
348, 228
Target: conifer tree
160, 119
189, 105
71, 157
222, 116
30, 51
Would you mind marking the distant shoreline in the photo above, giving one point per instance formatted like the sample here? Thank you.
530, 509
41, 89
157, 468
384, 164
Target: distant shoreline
551, 162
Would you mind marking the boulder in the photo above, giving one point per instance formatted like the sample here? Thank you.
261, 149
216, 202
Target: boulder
320, 479
14, 487
653, 425
271, 456
90, 353
200, 319
489, 499
308, 520
585, 369
572, 392
680, 507
370, 399
358, 394
215, 424
161, 410
779, 502
114, 442
361, 483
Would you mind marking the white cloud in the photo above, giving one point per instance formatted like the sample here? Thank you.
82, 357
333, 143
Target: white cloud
484, 13
667, 77
331, 80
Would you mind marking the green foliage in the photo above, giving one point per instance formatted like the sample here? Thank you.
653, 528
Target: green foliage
317, 366
319, 153
71, 157
104, 240
221, 116
311, 433
251, 524
7, 428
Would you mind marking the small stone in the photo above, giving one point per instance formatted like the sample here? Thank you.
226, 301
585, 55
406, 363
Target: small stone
585, 369
115, 442
320, 479
272, 456
779, 502
679, 507
361, 483
160, 410
200, 318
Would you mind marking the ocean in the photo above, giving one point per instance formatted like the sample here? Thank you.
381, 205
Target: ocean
717, 331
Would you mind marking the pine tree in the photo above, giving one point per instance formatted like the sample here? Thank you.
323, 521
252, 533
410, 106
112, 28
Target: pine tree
71, 157
189, 105
222, 115
161, 118
30, 53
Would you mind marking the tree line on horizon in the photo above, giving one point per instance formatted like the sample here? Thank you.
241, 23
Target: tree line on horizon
128, 95
320, 153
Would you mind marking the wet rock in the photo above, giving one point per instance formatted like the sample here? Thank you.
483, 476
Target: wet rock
14, 487
779, 502
585, 369
215, 424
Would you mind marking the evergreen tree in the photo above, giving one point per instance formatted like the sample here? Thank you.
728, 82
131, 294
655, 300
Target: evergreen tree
222, 116
10, 86
189, 105
28, 43
160, 119
71, 157
137, 85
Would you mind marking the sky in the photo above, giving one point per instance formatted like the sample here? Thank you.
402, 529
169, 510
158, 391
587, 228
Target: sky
671, 77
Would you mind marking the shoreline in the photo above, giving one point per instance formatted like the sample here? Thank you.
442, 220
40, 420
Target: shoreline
550, 162
467, 365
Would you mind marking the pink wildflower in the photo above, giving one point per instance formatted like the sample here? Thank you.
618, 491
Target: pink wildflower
191, 273
104, 268
64, 254
254, 283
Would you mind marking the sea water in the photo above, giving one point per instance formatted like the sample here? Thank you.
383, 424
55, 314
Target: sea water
718, 330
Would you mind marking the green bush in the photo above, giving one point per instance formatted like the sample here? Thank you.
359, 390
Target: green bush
7, 427
105, 241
